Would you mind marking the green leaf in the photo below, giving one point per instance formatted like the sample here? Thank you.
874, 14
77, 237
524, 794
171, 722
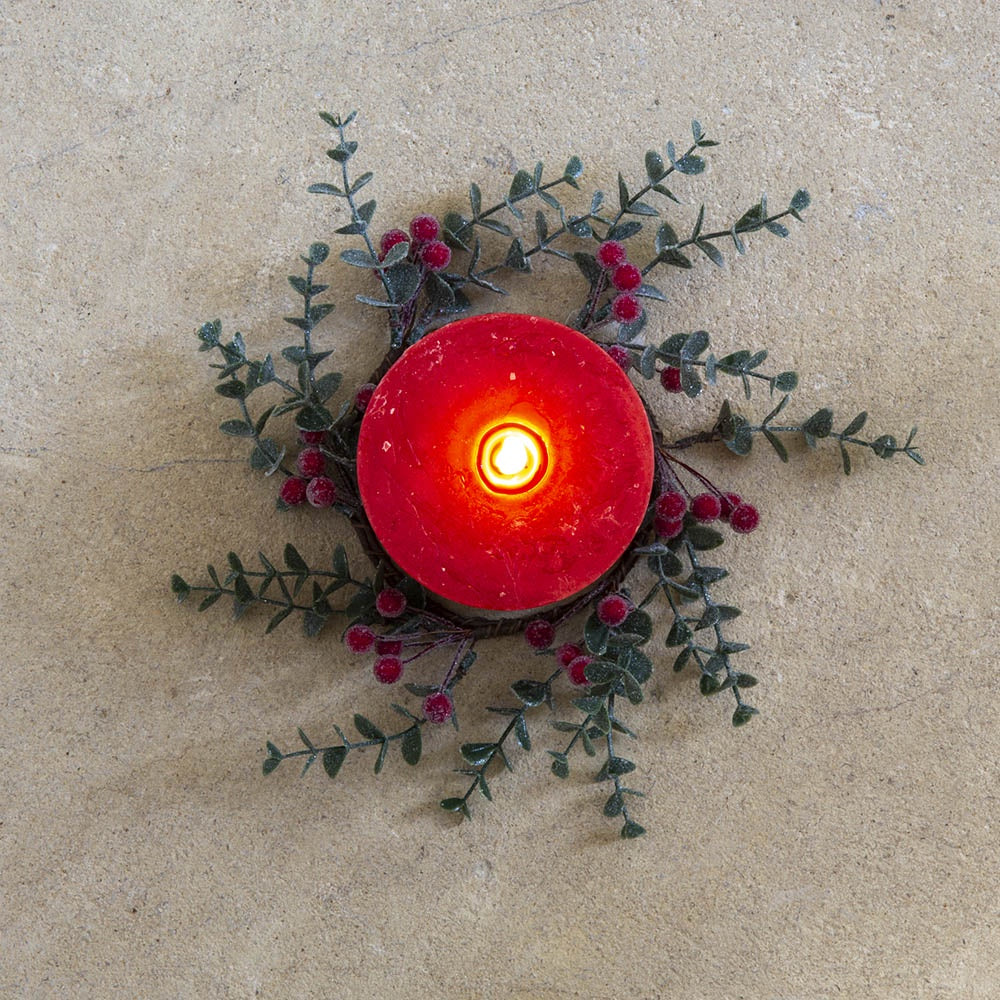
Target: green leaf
318, 252
327, 385
711, 252
340, 565
359, 258
785, 382
560, 764
367, 728
743, 714
313, 623
516, 259
333, 759
477, 754
180, 587
574, 169
614, 805
595, 635
325, 189
624, 230
819, 424
454, 805
403, 281
800, 200
521, 733
278, 619
270, 763
411, 745
620, 765
631, 830
531, 693
654, 166
855, 425
521, 186
232, 390
680, 633
623, 196
776, 229
294, 561
775, 442
675, 259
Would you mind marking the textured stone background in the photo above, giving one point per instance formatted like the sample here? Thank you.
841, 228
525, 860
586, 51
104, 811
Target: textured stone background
845, 844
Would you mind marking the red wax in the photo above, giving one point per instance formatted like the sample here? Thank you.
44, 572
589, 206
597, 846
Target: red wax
444, 488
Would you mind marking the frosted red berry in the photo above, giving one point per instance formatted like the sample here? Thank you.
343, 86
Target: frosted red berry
293, 491
670, 379
744, 518
388, 647
577, 671
613, 610
610, 254
312, 437
626, 277
620, 356
388, 669
706, 507
625, 308
438, 707
321, 492
671, 505
730, 501
539, 633
567, 653
666, 528
435, 256
424, 228
359, 638
311, 462
390, 603
364, 396
390, 239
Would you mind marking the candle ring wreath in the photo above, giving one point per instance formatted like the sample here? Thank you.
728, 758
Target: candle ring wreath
503, 474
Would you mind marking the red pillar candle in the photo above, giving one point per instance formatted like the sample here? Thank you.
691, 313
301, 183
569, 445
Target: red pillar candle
505, 462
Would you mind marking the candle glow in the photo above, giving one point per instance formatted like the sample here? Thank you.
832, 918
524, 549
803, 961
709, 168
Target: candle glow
512, 459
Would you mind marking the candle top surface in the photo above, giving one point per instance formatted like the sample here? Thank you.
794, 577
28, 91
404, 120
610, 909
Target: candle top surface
505, 462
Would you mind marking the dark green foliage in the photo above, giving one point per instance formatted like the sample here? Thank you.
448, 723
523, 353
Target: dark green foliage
527, 221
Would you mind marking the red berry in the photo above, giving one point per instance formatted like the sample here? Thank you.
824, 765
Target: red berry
438, 707
424, 228
392, 238
706, 507
364, 396
388, 669
626, 277
311, 462
359, 638
670, 379
539, 633
744, 518
435, 256
293, 491
610, 254
671, 505
613, 610
620, 356
665, 528
567, 653
730, 501
321, 492
390, 603
312, 437
625, 308
577, 671
389, 647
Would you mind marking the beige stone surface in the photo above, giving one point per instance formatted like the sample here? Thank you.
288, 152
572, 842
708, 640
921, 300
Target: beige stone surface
155, 163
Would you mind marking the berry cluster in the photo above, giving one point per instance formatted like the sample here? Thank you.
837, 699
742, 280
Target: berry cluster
311, 483
572, 657
672, 507
388, 665
424, 246
626, 279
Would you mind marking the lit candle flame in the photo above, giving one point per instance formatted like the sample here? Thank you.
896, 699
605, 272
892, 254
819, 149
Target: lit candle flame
512, 458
